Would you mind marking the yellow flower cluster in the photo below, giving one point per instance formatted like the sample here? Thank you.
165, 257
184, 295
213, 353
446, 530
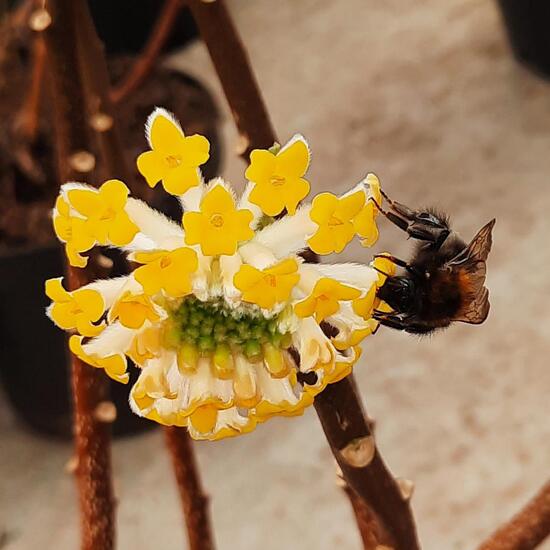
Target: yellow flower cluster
226, 322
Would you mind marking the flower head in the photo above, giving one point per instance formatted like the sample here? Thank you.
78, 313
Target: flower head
103, 212
227, 324
73, 231
78, 310
365, 221
174, 158
269, 286
325, 299
218, 227
278, 177
334, 216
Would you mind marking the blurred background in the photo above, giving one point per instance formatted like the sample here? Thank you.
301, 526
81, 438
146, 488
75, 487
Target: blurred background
428, 96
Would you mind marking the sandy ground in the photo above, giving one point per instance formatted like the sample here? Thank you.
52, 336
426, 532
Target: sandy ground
426, 95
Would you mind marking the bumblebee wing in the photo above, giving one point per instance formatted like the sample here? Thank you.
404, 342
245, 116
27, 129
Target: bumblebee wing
480, 246
476, 305
471, 268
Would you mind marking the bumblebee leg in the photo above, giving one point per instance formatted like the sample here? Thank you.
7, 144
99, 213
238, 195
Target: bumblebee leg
395, 219
401, 263
389, 320
423, 226
401, 323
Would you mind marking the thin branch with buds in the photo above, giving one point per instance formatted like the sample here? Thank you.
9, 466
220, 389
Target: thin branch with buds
92, 434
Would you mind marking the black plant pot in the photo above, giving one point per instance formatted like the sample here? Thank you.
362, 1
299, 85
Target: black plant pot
33, 359
528, 26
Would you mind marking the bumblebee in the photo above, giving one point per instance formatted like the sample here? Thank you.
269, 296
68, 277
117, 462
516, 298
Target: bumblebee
444, 280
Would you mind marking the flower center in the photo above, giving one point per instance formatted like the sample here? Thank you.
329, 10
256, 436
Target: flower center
207, 326
271, 280
173, 161
333, 221
277, 181
165, 261
216, 220
107, 214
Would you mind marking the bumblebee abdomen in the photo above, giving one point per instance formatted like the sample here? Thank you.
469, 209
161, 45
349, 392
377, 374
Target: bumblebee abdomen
442, 296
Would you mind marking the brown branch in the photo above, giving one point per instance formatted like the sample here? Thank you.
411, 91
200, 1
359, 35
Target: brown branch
147, 58
338, 406
369, 525
235, 73
527, 529
101, 113
352, 443
194, 501
92, 437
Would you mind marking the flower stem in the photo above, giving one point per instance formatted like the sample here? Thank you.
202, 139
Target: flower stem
90, 386
147, 58
527, 529
236, 76
194, 501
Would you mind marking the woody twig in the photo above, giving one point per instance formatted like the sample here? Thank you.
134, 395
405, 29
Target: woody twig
527, 529
92, 433
101, 114
338, 406
352, 442
236, 76
193, 498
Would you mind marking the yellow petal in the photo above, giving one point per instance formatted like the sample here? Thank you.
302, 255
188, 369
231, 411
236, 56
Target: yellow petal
270, 199
293, 161
122, 230
295, 191
179, 180
365, 224
55, 291
262, 166
152, 167
322, 207
196, 150
75, 259
85, 328
239, 224
306, 307
85, 201
217, 200
114, 193
349, 206
62, 315
91, 303
62, 206
204, 419
322, 241
81, 238
364, 306
165, 136
193, 226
